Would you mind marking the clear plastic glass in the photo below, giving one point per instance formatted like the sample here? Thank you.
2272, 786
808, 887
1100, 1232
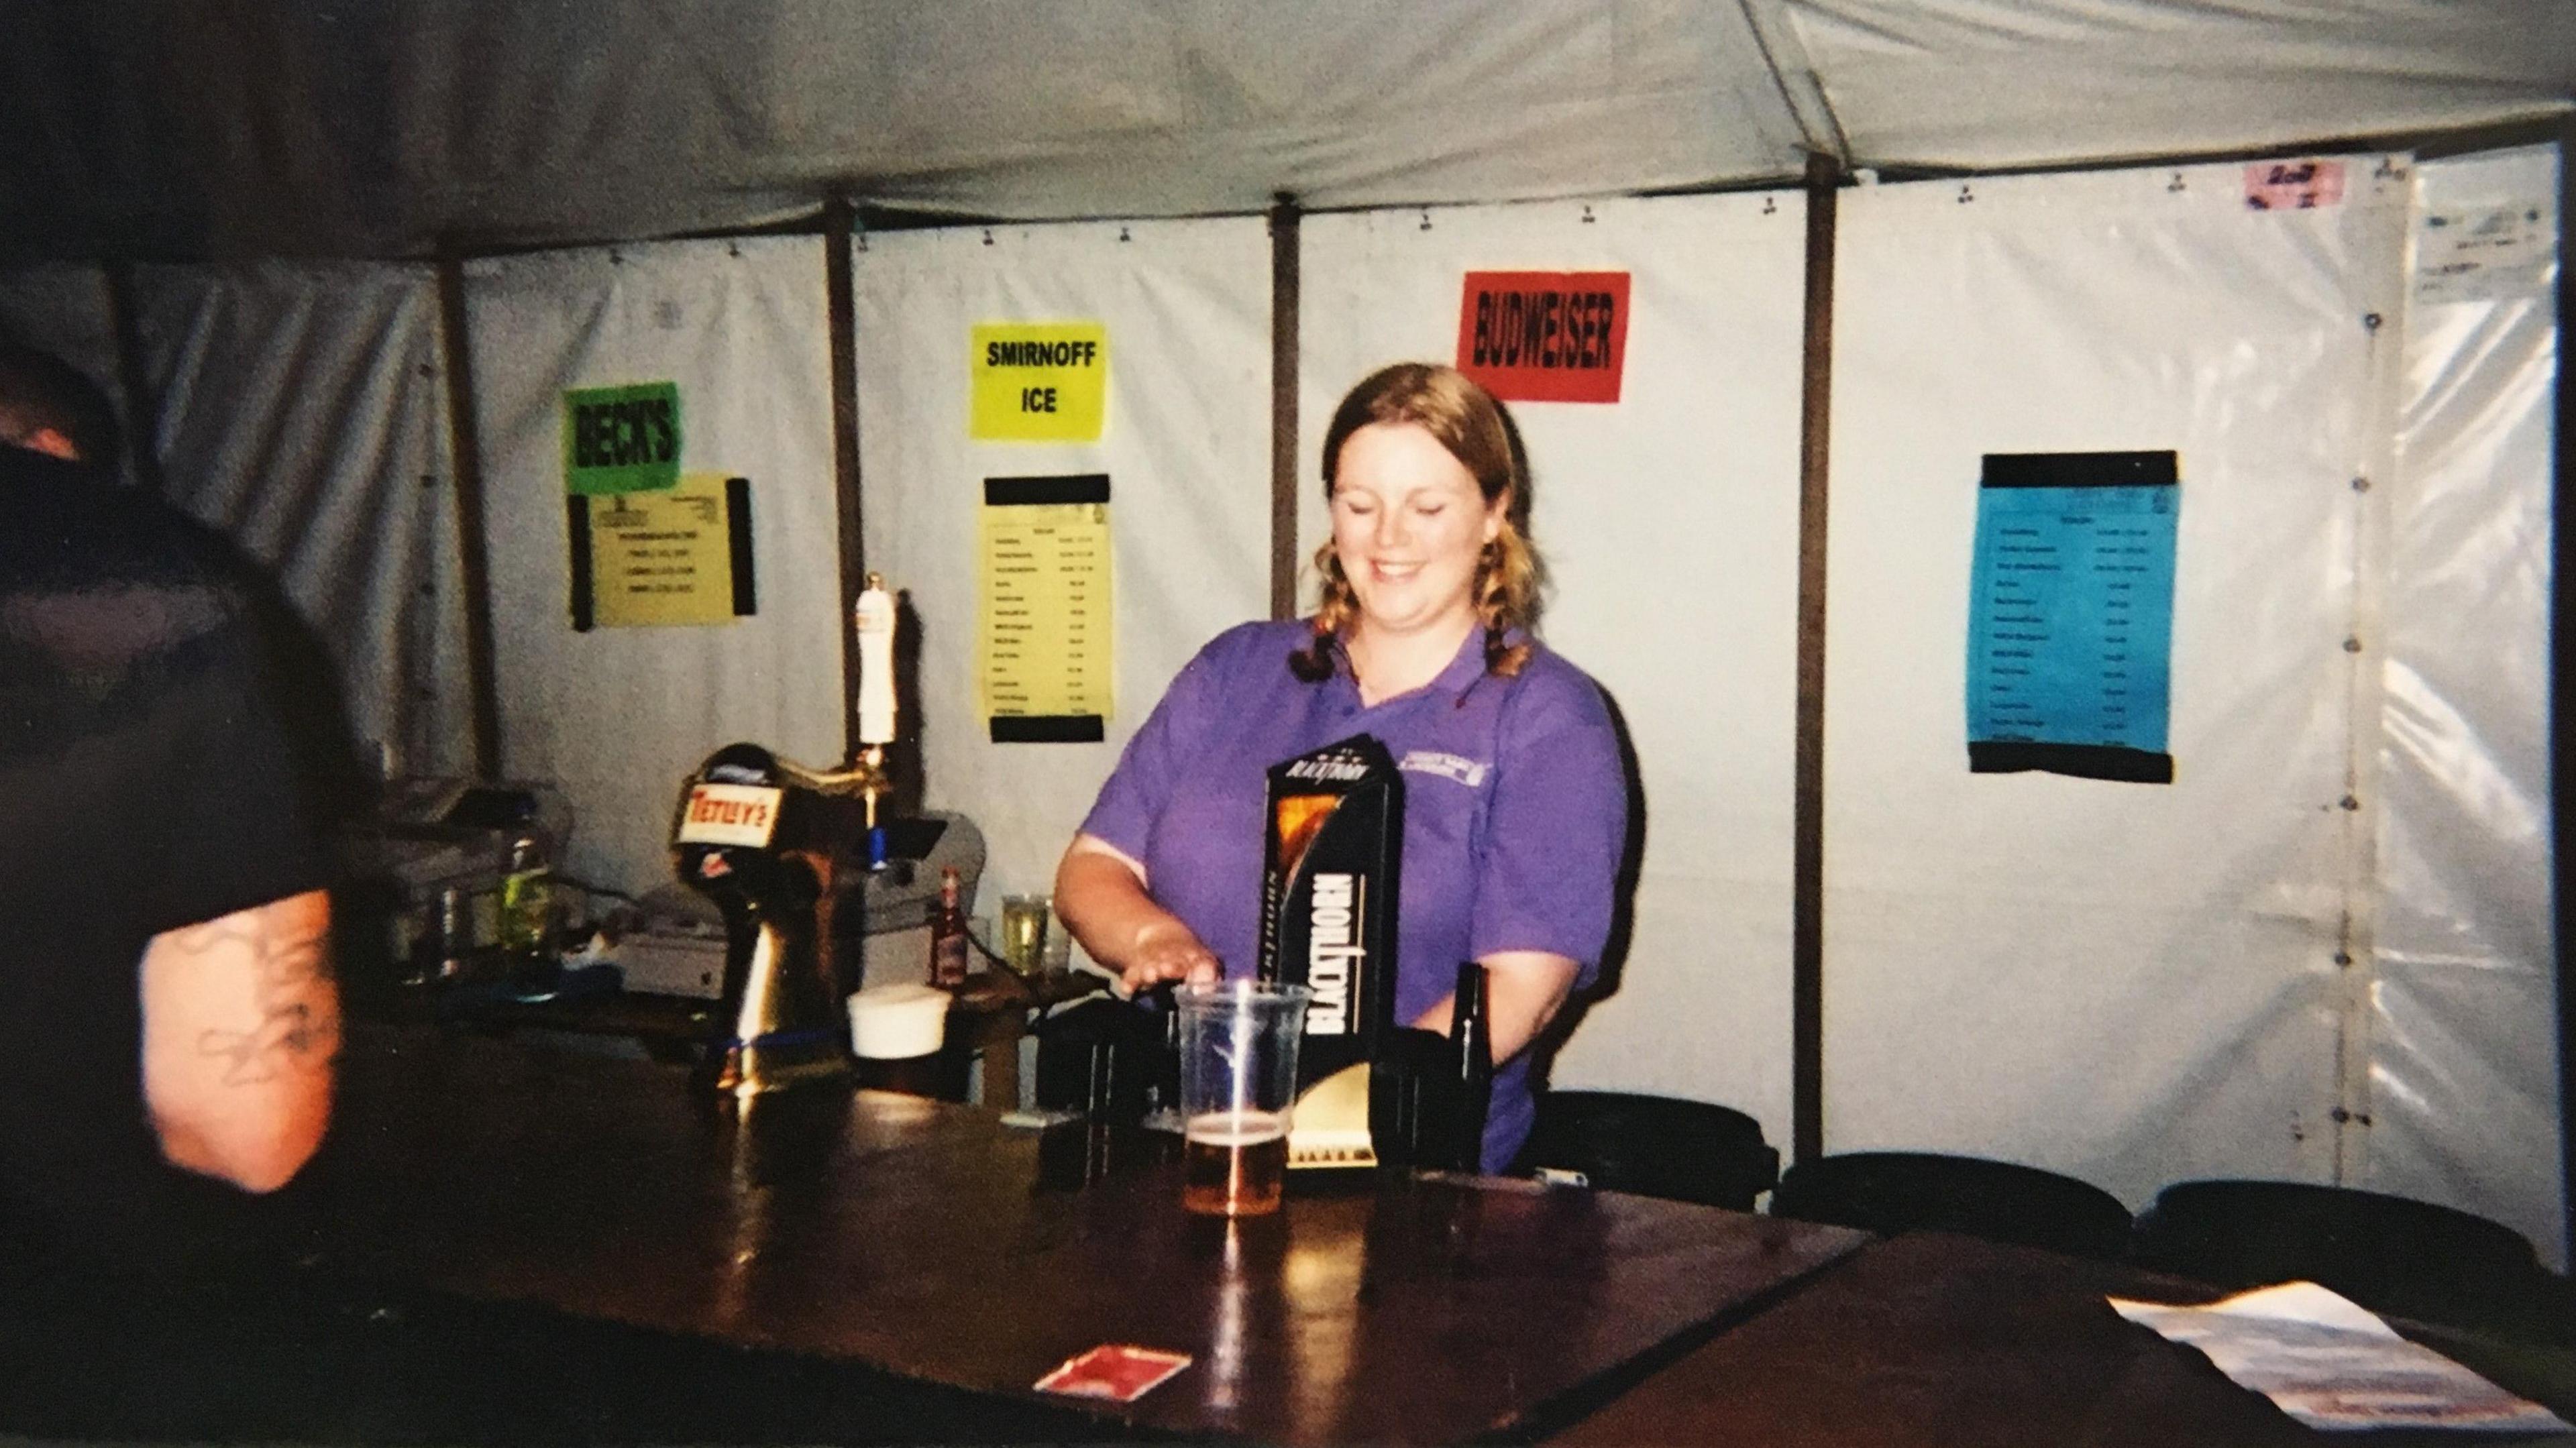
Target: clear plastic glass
1238, 1081
1024, 932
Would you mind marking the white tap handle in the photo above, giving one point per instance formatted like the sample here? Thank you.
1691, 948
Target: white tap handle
876, 666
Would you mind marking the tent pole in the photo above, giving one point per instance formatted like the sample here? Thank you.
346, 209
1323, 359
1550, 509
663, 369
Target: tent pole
838, 224
473, 537
2562, 672
1807, 870
142, 409
1283, 407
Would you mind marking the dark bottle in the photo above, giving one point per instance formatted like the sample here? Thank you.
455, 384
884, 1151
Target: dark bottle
1470, 1069
948, 946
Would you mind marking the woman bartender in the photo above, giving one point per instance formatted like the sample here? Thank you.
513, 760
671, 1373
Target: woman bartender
1515, 802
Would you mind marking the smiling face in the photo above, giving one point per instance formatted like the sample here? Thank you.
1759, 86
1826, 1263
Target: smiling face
1409, 523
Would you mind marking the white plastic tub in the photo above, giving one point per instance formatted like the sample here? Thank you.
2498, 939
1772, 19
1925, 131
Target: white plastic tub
898, 1022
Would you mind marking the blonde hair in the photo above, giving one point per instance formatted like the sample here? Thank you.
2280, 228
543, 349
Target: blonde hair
1471, 424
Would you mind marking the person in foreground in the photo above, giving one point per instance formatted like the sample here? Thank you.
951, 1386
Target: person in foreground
1515, 800
163, 922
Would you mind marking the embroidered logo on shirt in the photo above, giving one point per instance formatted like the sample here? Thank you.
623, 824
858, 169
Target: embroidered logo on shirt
1448, 766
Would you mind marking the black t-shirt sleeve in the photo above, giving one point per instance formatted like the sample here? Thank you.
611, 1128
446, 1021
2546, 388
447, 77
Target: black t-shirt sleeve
240, 823
241, 820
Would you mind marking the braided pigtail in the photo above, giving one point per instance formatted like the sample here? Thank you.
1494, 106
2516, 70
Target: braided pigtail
1508, 579
1333, 612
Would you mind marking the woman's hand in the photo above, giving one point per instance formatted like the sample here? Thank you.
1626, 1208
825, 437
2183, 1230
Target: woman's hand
1164, 950
1100, 894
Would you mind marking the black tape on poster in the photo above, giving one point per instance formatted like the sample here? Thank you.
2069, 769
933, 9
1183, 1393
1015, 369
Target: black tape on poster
2078, 470
577, 528
1059, 488
1048, 729
2084, 761
746, 598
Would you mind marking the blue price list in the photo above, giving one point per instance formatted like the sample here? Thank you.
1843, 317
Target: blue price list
2070, 622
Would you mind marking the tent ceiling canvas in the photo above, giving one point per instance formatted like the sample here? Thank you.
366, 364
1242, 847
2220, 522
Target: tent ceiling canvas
374, 127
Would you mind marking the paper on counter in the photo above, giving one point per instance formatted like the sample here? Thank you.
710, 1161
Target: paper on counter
2332, 1364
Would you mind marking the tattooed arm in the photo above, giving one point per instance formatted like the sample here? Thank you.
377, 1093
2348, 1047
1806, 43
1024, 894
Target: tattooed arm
241, 1022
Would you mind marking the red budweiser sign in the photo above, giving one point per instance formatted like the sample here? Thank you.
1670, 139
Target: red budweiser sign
1545, 336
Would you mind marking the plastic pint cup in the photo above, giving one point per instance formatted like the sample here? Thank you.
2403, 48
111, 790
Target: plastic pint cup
1024, 932
1238, 1080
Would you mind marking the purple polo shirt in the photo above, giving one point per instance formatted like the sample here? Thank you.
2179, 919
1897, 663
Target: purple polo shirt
1515, 809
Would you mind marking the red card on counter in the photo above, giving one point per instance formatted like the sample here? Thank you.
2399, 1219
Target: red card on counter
1119, 1373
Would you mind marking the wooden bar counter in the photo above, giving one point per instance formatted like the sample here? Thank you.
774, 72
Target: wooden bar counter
1928, 1340
930, 1242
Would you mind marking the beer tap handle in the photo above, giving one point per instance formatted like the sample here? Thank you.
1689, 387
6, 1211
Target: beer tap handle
875, 619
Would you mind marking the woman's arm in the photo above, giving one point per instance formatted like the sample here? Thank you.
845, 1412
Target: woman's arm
1100, 894
1524, 989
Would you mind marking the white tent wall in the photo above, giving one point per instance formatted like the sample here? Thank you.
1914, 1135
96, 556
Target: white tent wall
1185, 441
2130, 983
1670, 522
300, 410
619, 716
2463, 1094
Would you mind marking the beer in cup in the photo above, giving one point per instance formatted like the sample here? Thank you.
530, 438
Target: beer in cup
1238, 1080
1024, 932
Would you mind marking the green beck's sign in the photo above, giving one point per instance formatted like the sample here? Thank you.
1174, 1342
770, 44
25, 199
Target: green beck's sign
622, 439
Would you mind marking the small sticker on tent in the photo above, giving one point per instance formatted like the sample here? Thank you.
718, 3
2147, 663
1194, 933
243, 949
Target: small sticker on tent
2293, 185
2486, 252
2070, 615
1043, 649
621, 439
1039, 381
1545, 336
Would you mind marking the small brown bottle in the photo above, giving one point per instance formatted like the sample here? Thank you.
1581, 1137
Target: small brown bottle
949, 950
